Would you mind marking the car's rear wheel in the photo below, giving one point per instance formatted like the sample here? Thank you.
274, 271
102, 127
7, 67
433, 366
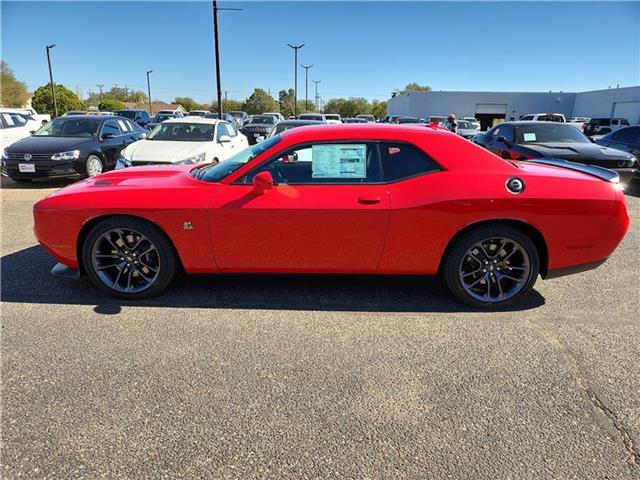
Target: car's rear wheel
129, 258
94, 166
492, 266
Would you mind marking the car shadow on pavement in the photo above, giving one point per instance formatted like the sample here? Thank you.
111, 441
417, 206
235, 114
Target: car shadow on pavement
26, 278
633, 189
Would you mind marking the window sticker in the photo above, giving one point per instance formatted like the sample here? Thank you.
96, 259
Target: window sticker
339, 161
529, 137
123, 126
8, 118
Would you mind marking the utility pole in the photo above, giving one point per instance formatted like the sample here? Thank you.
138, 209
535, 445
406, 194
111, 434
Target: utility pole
225, 95
217, 50
306, 86
100, 87
317, 97
53, 88
149, 91
295, 76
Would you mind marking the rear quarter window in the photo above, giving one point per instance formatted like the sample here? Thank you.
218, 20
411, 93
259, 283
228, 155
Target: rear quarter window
401, 161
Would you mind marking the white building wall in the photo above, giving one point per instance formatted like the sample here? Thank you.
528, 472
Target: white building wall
613, 102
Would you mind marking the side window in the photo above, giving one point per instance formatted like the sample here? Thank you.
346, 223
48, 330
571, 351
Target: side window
232, 130
507, 132
132, 126
13, 120
323, 163
221, 130
111, 127
400, 161
626, 135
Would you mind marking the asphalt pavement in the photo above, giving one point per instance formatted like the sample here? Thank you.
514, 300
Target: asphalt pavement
315, 377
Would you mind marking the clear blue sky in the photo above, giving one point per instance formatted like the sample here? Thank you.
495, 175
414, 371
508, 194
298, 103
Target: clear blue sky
358, 49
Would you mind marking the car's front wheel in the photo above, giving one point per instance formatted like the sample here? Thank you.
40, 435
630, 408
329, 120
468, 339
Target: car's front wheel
94, 166
129, 258
492, 266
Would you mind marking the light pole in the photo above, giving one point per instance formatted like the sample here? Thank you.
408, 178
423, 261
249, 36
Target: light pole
217, 50
149, 90
53, 89
317, 82
295, 76
306, 86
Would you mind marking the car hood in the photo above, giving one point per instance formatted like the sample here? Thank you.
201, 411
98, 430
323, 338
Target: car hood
161, 151
578, 151
47, 144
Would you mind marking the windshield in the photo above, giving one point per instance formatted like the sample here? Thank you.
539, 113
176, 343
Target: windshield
182, 132
69, 127
465, 125
218, 171
126, 113
263, 119
237, 114
311, 117
161, 118
332, 117
549, 133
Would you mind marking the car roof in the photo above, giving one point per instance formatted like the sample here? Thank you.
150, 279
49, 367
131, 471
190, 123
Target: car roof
301, 122
193, 119
131, 110
533, 122
364, 131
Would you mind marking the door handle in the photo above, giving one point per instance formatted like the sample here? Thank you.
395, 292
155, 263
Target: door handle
369, 200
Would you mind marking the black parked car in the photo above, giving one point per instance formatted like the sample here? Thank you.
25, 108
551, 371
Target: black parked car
158, 118
285, 125
75, 146
527, 140
225, 116
258, 126
141, 117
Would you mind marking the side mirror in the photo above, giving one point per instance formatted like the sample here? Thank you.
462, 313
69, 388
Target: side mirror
32, 132
262, 182
143, 135
224, 139
106, 136
501, 139
259, 139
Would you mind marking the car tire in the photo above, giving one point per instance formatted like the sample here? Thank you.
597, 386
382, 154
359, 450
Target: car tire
491, 267
93, 166
129, 258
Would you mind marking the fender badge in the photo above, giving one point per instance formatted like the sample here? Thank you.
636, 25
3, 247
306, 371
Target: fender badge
187, 226
515, 185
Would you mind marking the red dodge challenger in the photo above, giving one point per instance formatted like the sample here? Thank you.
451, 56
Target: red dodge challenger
356, 199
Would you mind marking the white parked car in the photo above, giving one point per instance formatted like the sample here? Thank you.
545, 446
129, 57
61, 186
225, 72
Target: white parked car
474, 121
332, 118
15, 126
183, 141
175, 113
30, 112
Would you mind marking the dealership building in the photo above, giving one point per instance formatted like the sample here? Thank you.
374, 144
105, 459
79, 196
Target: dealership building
494, 107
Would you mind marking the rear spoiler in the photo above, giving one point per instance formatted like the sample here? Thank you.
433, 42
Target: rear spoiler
593, 170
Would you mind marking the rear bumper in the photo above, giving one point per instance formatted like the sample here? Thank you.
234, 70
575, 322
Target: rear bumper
562, 272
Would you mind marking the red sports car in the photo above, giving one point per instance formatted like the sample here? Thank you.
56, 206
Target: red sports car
357, 199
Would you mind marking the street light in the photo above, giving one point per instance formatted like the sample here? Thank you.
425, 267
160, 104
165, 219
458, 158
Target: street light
317, 82
217, 50
306, 87
53, 90
295, 77
149, 90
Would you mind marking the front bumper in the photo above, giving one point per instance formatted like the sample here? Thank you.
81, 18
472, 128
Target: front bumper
43, 169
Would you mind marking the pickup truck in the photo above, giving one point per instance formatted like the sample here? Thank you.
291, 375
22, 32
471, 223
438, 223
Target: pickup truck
551, 117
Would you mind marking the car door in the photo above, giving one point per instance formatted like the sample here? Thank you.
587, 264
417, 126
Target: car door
239, 141
15, 128
224, 150
327, 212
112, 141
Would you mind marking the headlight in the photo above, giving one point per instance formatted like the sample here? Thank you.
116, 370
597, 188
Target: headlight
5, 154
70, 155
188, 161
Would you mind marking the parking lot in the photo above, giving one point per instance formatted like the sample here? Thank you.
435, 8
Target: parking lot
307, 377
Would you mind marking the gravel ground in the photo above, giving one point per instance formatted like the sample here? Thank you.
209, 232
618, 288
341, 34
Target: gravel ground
307, 377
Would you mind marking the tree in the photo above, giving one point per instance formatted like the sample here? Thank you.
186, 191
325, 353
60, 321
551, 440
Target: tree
67, 100
13, 92
259, 102
228, 105
414, 87
187, 103
111, 105
285, 101
378, 109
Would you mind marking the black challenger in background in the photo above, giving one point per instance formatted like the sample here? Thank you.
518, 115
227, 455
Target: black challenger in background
72, 146
527, 140
258, 126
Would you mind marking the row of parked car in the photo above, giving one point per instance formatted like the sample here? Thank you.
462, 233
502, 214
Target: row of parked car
86, 144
